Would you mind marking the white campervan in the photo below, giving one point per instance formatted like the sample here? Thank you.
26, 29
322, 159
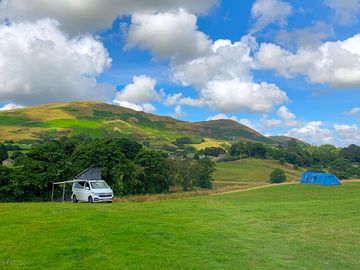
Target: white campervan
91, 191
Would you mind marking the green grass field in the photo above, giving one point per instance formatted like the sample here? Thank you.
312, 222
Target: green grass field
280, 227
253, 171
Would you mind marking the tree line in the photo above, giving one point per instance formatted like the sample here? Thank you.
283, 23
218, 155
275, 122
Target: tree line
126, 166
343, 162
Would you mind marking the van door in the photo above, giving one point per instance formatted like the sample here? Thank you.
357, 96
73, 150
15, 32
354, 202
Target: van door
87, 191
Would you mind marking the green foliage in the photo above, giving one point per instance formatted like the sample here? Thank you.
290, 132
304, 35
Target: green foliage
125, 165
277, 176
3, 152
351, 153
341, 168
213, 151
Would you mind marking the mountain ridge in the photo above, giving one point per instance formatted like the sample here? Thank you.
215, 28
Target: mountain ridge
99, 119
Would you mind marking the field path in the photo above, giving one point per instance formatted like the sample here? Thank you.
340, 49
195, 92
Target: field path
246, 189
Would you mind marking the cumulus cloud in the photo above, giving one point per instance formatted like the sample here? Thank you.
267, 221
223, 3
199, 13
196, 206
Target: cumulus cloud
168, 35
140, 91
335, 63
234, 96
348, 134
11, 106
224, 79
88, 16
266, 12
353, 111
346, 11
286, 119
40, 64
138, 94
305, 37
313, 132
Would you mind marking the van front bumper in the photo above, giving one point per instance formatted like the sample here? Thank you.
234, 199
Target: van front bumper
103, 199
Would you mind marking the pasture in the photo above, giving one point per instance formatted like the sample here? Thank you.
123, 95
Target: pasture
279, 227
252, 170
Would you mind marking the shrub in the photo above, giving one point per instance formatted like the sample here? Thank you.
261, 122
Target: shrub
277, 176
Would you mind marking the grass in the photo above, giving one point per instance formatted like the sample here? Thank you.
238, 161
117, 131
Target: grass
252, 170
282, 227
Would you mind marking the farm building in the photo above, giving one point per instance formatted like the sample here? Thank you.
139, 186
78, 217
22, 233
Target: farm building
319, 179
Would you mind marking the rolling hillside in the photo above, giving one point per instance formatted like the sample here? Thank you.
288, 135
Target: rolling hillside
103, 120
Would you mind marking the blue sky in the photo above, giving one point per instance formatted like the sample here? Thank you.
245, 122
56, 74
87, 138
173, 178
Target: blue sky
281, 67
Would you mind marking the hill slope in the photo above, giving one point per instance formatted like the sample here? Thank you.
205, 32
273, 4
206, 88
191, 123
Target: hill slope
103, 120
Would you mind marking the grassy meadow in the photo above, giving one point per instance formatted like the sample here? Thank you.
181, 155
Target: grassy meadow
279, 227
252, 170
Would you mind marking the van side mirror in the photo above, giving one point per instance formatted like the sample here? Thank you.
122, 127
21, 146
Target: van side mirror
87, 188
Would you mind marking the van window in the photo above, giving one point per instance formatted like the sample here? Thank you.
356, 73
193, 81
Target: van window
79, 185
87, 185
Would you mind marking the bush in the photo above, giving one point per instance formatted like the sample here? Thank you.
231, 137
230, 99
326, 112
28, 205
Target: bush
277, 176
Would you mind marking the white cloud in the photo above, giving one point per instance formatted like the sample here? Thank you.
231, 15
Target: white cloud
269, 123
305, 37
178, 99
346, 11
90, 15
353, 111
168, 35
178, 112
348, 134
225, 82
221, 116
146, 107
285, 114
335, 63
234, 96
138, 94
287, 119
140, 91
266, 12
312, 132
11, 106
226, 61
40, 64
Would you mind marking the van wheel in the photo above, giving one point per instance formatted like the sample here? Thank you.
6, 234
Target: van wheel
90, 199
74, 199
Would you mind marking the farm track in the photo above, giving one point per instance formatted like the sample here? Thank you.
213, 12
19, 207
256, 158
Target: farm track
247, 189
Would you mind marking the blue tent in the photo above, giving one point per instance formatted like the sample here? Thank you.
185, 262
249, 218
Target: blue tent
319, 179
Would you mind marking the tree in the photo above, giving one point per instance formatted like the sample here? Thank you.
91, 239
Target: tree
352, 153
277, 176
213, 151
341, 168
206, 169
3, 152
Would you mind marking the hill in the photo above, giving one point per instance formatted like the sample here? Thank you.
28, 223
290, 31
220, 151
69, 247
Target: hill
279, 227
253, 171
104, 120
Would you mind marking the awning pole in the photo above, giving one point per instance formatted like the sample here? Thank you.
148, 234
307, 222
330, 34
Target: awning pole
52, 192
63, 192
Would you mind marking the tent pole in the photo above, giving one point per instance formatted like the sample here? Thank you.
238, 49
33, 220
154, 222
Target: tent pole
52, 192
63, 192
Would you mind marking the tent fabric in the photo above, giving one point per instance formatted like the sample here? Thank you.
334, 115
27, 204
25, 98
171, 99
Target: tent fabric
90, 174
319, 179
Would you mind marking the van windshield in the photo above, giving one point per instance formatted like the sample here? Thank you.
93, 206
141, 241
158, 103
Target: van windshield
97, 185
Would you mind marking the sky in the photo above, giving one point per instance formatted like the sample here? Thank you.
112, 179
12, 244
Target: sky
281, 67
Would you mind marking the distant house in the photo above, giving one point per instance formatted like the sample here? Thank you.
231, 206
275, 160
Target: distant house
8, 161
222, 156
